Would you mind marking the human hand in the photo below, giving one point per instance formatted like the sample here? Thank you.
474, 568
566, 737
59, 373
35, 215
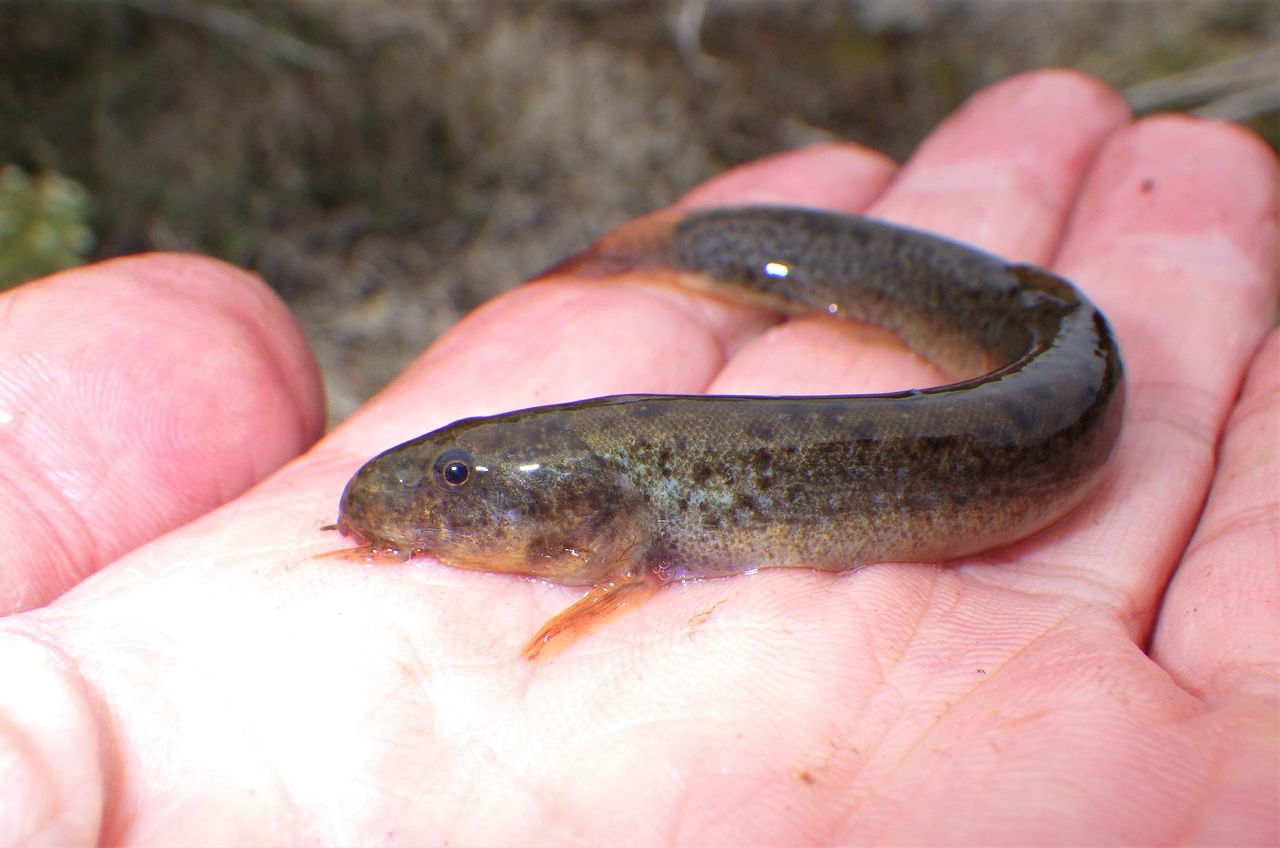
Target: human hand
1112, 679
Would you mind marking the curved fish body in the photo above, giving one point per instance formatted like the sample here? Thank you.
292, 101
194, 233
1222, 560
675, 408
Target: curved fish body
632, 491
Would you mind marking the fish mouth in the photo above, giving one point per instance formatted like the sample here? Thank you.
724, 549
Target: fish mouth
367, 545
349, 530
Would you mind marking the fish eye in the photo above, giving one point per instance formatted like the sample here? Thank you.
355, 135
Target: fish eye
453, 468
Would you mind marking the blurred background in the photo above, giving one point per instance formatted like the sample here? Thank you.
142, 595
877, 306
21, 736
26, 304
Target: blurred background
387, 165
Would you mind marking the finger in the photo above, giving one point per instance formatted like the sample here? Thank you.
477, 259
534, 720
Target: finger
1174, 238
135, 395
1218, 628
1003, 172
834, 175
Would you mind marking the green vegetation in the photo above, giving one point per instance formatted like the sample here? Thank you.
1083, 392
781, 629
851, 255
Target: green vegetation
44, 224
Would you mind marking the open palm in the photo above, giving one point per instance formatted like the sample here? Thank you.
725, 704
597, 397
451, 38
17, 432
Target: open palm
187, 672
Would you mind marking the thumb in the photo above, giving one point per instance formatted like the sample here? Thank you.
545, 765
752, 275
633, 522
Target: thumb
134, 396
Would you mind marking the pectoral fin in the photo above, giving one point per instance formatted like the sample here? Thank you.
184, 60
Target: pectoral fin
600, 602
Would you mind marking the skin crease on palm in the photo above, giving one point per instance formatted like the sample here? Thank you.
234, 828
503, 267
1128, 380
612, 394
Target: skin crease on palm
185, 672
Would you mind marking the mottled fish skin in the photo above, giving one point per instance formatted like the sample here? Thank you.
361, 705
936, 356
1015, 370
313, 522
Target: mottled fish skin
625, 489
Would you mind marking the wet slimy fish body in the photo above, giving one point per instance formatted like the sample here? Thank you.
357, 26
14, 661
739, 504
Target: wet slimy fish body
628, 492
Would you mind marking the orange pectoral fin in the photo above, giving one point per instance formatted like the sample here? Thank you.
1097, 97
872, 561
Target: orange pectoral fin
594, 606
365, 553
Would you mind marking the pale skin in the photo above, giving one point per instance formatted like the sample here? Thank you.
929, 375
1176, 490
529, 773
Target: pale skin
1111, 680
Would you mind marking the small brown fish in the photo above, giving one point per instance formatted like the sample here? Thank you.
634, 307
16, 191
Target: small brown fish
623, 494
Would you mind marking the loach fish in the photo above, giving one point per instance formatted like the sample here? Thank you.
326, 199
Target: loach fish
624, 494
